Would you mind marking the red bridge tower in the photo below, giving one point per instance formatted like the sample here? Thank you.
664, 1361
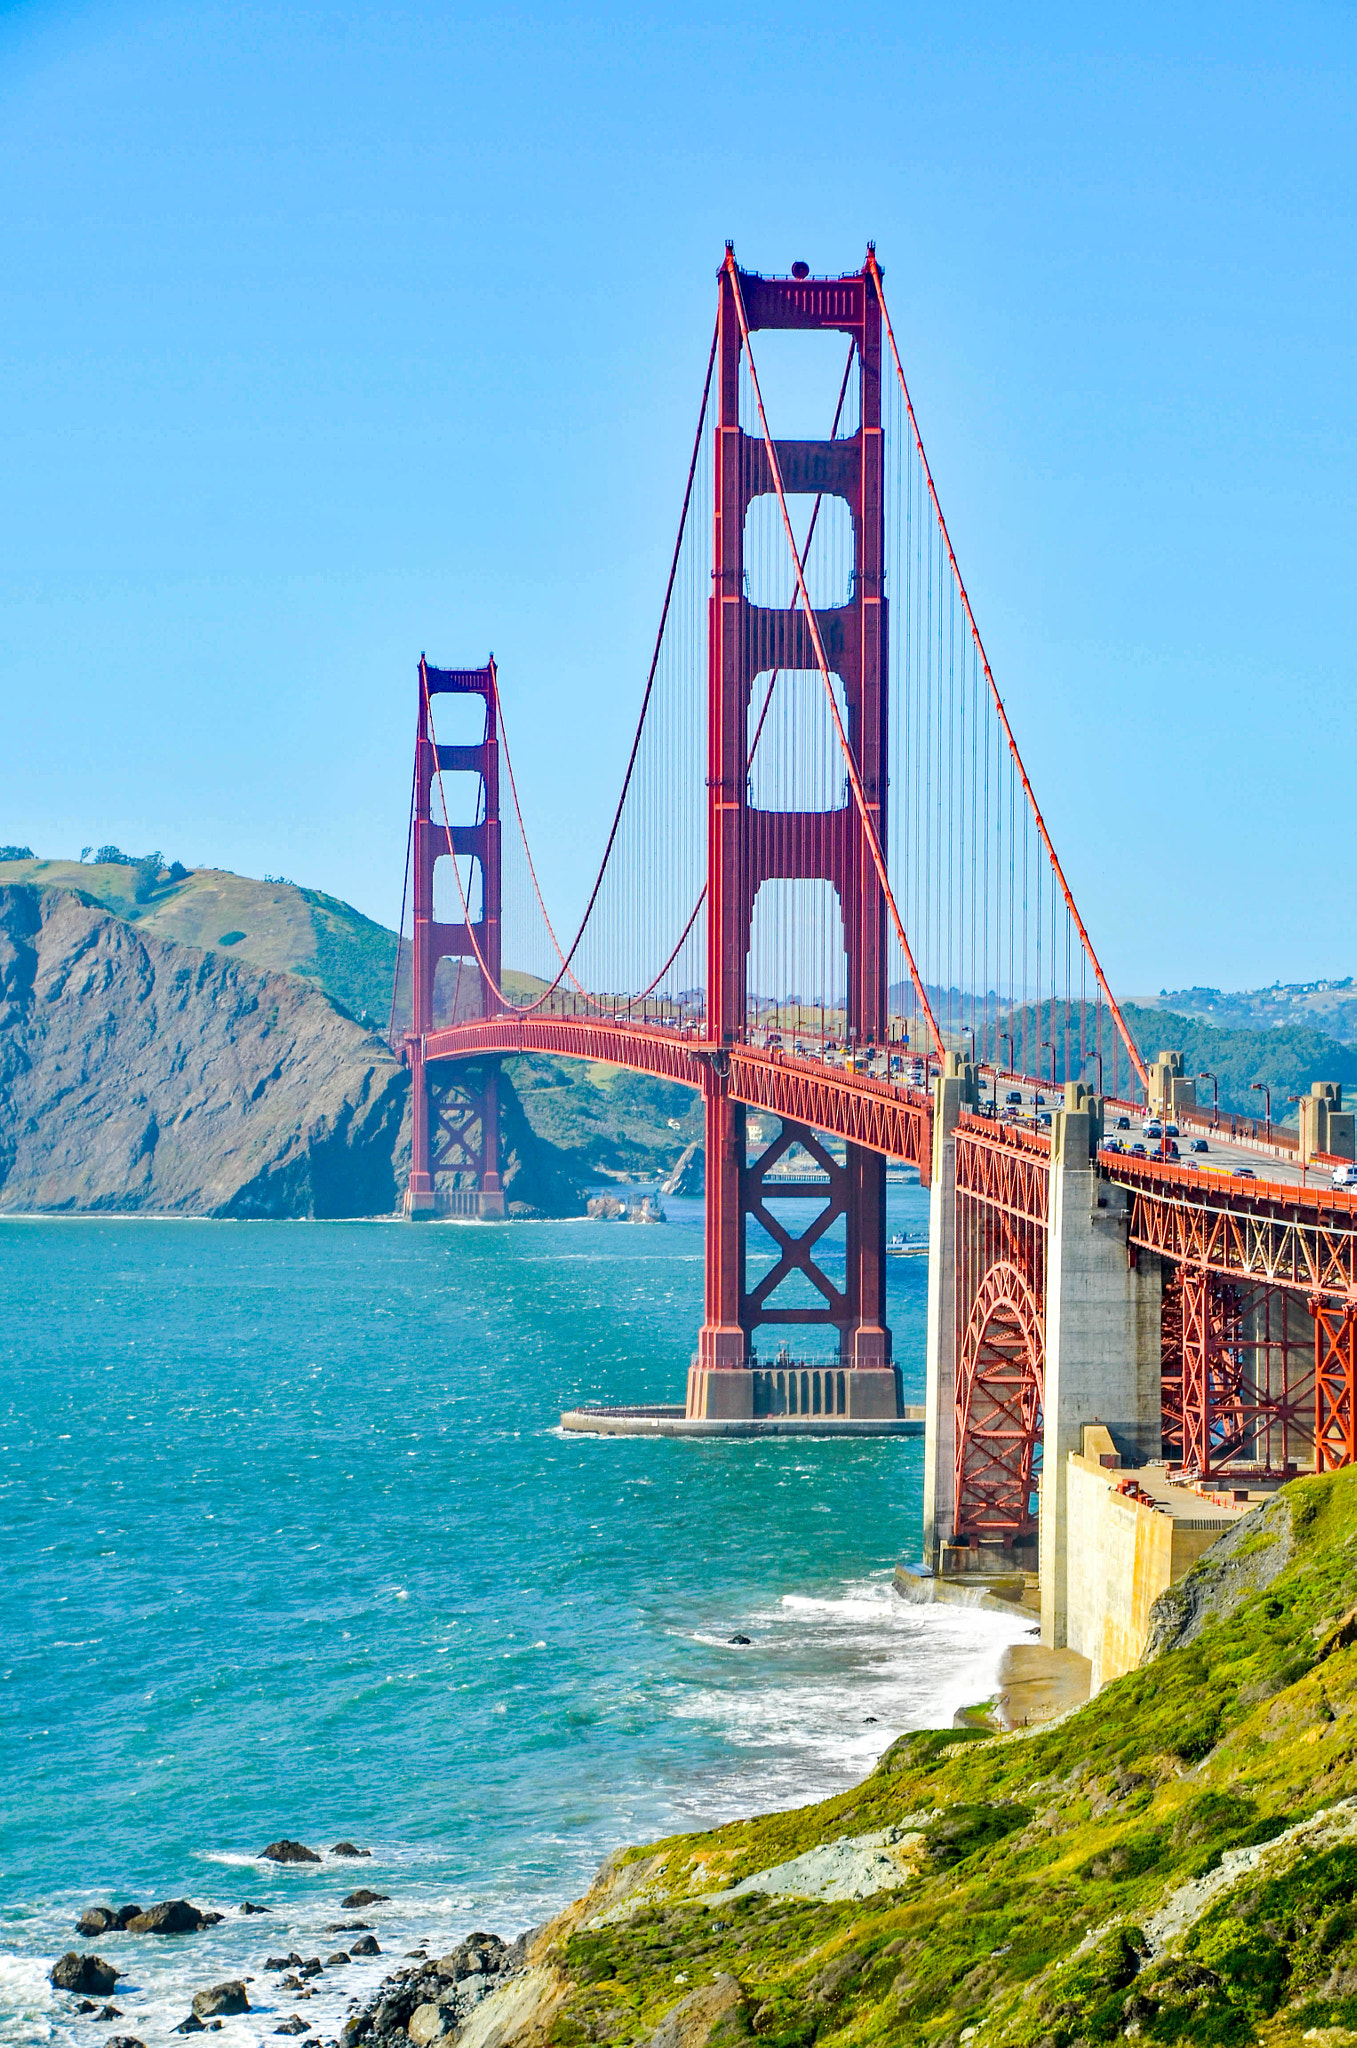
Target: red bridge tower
749, 846
455, 1115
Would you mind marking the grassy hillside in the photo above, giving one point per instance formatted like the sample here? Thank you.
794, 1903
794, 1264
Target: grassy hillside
1175, 1862
1327, 1006
273, 925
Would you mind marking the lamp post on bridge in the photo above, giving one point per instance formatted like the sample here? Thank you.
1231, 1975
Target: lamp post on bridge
1304, 1162
1262, 1086
1214, 1079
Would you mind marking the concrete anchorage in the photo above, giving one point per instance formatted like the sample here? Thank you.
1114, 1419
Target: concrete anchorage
1102, 1339
1102, 1361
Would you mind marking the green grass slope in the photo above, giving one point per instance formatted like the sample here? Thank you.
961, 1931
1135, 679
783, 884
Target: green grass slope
1175, 1862
273, 925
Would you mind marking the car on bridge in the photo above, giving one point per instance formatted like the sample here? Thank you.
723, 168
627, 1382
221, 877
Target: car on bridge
1123, 1123
1200, 1145
1344, 1177
1013, 1095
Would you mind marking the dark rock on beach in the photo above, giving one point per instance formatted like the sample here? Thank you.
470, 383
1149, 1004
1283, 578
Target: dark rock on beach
221, 1998
368, 1946
246, 1906
296, 2025
124, 2041
192, 2025
347, 1849
108, 2012
364, 1898
288, 1852
171, 1916
340, 1956
104, 1919
347, 1927
292, 1962
75, 1972
739, 1639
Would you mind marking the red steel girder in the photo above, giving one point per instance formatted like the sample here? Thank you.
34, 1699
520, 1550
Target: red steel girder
1004, 1167
1276, 1236
1335, 1383
646, 1048
1246, 1375
796, 1249
897, 1122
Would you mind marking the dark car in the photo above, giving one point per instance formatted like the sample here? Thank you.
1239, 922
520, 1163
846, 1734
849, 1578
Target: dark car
1137, 1152
1243, 1173
1200, 1145
1123, 1123
1013, 1095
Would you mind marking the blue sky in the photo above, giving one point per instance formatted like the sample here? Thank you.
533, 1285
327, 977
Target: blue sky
327, 335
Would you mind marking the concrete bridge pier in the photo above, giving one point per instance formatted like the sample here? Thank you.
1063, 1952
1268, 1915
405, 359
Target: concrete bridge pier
954, 1093
1102, 1339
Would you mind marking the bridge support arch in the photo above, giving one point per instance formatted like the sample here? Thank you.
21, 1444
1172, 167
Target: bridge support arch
999, 1403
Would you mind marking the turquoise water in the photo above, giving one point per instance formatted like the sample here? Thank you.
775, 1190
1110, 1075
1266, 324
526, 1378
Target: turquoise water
294, 1545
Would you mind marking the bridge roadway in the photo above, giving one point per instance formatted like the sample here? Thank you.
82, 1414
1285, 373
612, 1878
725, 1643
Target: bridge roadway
896, 1120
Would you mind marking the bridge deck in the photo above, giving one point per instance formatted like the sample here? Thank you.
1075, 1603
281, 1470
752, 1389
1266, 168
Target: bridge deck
1240, 1174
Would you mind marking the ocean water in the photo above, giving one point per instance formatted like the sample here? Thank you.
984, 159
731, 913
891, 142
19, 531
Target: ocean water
294, 1545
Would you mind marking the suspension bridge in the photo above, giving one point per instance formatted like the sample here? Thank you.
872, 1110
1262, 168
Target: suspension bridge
828, 900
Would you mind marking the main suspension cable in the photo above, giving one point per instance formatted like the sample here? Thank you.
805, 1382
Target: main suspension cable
526, 1009
874, 272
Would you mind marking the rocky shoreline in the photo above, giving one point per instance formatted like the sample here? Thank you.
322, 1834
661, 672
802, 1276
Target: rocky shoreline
424, 2000
432, 1998
1175, 1860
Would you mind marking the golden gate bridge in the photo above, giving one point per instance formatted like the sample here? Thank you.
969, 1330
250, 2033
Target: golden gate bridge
828, 895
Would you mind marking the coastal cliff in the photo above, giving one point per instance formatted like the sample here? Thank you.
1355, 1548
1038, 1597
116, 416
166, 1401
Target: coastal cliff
1176, 1861
139, 1075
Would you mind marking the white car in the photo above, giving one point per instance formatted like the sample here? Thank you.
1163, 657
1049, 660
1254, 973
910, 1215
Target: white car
1344, 1177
